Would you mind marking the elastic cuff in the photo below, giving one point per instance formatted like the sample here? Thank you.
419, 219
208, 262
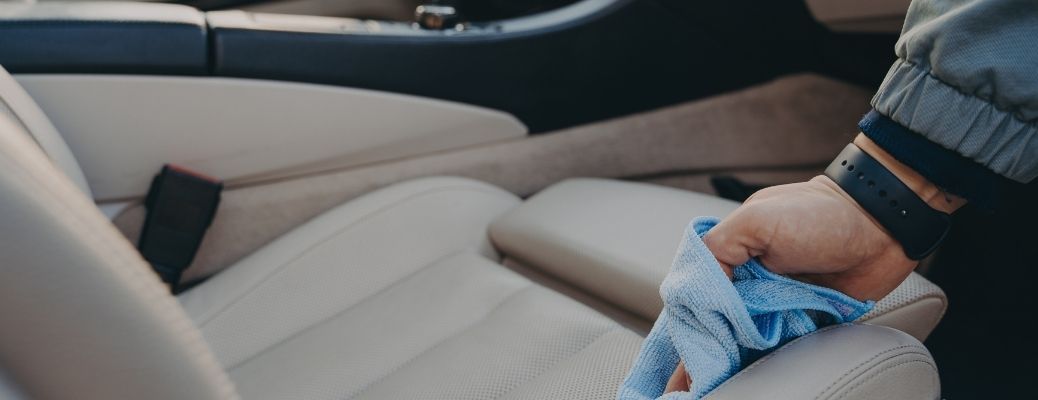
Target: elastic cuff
945, 168
970, 125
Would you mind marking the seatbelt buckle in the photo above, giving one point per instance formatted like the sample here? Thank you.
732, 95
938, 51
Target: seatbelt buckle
181, 205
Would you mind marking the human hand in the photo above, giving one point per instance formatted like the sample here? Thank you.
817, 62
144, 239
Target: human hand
679, 380
814, 232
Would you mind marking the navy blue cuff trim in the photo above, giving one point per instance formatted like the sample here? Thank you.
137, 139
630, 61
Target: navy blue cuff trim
945, 168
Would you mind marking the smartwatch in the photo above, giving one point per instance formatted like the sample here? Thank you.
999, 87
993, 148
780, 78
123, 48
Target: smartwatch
909, 220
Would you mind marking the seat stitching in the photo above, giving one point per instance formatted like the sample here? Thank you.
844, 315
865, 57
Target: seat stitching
786, 347
21, 122
276, 270
831, 384
439, 343
860, 364
773, 354
348, 308
552, 367
883, 371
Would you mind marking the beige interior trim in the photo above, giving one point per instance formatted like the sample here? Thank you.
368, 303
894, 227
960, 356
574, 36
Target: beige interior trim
123, 128
797, 121
700, 182
860, 15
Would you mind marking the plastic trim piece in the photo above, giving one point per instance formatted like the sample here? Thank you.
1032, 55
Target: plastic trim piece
589, 61
103, 37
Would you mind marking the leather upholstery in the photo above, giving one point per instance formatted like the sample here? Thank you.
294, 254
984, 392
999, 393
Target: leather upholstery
398, 294
78, 305
613, 239
616, 240
839, 362
22, 110
273, 129
914, 307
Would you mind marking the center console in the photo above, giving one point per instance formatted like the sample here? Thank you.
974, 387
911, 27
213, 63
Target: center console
550, 63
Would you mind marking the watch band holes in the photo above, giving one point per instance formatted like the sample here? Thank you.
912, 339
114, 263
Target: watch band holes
872, 184
904, 213
882, 193
893, 203
844, 162
861, 176
850, 167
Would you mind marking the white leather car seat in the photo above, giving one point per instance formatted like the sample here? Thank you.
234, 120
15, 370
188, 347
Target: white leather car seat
394, 295
397, 294
82, 316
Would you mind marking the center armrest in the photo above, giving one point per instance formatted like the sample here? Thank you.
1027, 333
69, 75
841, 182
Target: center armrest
612, 239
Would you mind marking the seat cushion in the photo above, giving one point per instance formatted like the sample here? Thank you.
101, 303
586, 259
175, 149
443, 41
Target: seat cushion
398, 294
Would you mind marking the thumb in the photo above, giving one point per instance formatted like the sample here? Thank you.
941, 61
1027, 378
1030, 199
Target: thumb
728, 244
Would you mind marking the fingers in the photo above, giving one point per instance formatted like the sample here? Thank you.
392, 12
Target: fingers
748, 231
679, 380
728, 243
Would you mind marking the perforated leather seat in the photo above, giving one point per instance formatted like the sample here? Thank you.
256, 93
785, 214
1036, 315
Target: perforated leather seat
397, 294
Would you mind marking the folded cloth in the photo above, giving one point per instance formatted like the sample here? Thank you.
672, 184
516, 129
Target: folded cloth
718, 326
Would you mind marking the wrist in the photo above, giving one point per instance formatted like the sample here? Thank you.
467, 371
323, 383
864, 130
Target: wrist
930, 193
901, 211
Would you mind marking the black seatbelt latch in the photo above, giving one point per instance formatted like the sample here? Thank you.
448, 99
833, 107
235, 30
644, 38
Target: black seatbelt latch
181, 205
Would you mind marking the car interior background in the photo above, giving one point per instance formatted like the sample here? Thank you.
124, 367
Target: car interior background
452, 199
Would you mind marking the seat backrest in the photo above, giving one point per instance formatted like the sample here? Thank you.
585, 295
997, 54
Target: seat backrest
16, 104
81, 313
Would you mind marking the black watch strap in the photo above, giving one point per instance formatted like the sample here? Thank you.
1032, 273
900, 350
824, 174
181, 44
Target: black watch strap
908, 218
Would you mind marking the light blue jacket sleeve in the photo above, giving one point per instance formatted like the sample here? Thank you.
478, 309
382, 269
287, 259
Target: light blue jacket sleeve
966, 78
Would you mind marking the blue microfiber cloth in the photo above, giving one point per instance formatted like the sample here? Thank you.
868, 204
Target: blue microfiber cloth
718, 326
